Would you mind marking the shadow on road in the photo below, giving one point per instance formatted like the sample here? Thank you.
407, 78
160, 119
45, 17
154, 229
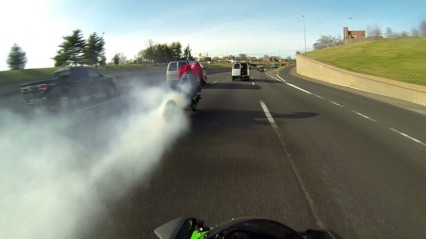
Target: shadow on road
266, 81
243, 119
232, 86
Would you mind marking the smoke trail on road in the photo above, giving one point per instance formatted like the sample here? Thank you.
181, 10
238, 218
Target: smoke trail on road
56, 171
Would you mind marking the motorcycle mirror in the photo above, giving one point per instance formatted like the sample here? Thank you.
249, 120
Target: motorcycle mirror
318, 234
177, 229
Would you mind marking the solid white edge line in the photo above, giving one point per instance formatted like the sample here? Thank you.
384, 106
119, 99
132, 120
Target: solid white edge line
294, 86
283, 81
268, 115
288, 83
408, 136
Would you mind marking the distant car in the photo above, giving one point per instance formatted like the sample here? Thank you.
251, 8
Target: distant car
240, 71
261, 69
67, 84
173, 70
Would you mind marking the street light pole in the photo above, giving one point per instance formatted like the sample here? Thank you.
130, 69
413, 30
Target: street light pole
304, 31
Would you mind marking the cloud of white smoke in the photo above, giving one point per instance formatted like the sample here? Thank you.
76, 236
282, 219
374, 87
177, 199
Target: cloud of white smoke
56, 171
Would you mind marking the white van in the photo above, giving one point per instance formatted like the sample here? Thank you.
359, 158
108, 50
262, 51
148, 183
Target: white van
241, 70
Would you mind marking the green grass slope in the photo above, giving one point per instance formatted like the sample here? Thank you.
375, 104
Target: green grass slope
401, 59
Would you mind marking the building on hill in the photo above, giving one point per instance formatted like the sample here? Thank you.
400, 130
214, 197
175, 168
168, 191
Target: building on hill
357, 36
353, 36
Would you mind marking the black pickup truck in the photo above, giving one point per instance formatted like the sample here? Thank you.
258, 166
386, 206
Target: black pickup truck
68, 84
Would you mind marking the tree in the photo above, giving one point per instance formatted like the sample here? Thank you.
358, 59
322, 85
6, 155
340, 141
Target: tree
422, 28
176, 51
242, 56
116, 59
71, 51
187, 53
16, 59
415, 32
403, 34
374, 30
122, 58
389, 32
139, 58
327, 41
103, 60
94, 50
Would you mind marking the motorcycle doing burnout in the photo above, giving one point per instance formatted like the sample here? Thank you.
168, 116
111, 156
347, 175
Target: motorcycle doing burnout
240, 228
190, 87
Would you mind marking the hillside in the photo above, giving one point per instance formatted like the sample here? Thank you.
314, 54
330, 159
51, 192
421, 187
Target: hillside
401, 59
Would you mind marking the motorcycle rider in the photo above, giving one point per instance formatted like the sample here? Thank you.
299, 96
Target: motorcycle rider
190, 84
198, 71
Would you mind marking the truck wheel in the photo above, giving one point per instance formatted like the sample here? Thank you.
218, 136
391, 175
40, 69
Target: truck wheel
63, 103
233, 78
111, 92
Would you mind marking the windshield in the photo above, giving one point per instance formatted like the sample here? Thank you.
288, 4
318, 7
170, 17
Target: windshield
310, 113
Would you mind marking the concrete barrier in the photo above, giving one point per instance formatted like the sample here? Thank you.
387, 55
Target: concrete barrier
377, 85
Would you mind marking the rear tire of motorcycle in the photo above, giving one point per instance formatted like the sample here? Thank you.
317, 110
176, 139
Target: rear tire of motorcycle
170, 109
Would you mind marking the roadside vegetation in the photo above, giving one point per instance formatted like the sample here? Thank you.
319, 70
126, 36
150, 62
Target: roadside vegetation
397, 59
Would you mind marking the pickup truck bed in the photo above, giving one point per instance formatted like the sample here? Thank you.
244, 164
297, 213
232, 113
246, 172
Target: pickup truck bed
68, 84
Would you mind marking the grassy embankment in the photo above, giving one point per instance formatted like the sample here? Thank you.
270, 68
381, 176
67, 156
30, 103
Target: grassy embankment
401, 59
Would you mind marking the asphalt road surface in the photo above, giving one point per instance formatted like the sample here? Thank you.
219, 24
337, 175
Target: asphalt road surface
282, 147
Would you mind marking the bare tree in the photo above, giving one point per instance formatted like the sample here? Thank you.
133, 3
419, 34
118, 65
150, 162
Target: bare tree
422, 28
374, 30
415, 32
122, 58
389, 32
327, 41
404, 34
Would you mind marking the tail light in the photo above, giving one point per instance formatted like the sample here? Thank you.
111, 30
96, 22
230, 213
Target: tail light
42, 88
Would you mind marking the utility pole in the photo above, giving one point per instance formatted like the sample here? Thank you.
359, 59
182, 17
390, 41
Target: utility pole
304, 31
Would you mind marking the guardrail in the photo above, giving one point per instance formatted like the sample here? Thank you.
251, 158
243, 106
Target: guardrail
377, 85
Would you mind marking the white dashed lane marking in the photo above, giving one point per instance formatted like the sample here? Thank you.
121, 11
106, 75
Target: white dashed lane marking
408, 136
353, 111
335, 103
268, 115
364, 116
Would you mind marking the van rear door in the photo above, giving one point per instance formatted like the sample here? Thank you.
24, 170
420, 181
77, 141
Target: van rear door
236, 70
172, 71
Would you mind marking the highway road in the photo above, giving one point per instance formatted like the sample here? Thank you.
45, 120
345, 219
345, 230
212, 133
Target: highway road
281, 147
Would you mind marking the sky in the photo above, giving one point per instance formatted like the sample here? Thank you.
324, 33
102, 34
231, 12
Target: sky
215, 27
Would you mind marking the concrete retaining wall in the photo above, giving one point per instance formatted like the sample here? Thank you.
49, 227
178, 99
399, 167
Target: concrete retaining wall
377, 85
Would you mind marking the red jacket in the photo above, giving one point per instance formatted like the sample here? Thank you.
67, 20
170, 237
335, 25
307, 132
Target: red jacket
193, 69
183, 69
198, 71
